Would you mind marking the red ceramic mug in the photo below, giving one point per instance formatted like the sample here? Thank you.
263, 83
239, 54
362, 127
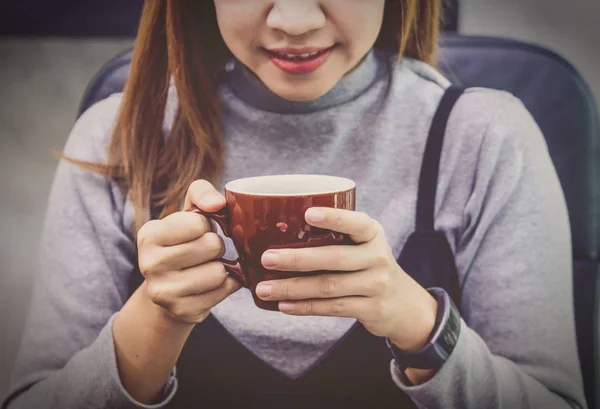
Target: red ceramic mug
267, 212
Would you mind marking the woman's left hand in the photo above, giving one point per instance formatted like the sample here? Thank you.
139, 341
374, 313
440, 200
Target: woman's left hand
365, 282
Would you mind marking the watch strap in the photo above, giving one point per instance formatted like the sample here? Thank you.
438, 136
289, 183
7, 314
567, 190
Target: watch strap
442, 340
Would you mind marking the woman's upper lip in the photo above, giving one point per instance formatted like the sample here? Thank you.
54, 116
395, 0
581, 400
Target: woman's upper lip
297, 50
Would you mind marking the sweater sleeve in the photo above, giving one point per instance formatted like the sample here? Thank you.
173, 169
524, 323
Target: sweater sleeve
67, 358
517, 346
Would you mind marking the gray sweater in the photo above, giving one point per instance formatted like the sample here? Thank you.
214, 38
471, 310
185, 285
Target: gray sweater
499, 203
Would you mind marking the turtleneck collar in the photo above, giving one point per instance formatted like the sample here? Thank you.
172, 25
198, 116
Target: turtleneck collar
250, 89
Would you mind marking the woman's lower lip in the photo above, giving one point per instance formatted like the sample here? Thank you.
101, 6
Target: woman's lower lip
301, 67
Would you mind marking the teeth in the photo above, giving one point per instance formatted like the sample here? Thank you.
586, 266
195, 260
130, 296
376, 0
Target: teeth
299, 56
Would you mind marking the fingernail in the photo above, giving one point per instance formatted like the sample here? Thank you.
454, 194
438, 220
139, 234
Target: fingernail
270, 259
314, 215
263, 290
286, 306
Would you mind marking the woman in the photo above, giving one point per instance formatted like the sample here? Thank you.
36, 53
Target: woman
231, 88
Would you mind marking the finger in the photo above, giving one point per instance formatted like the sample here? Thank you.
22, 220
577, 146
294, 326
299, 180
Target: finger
176, 228
203, 279
349, 307
202, 302
166, 290
195, 308
359, 226
207, 247
158, 260
217, 295
330, 258
203, 195
367, 283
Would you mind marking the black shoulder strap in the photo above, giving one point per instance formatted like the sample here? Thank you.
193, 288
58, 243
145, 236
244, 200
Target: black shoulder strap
431, 160
427, 255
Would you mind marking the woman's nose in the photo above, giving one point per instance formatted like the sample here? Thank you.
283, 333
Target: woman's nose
296, 17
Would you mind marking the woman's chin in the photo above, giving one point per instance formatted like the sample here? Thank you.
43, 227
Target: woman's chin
299, 93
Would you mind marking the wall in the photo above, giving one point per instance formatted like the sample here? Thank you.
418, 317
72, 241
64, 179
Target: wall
570, 28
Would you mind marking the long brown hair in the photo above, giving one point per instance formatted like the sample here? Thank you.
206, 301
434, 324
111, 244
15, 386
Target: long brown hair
181, 40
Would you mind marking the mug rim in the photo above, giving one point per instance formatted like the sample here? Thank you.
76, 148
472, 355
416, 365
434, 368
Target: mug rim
350, 185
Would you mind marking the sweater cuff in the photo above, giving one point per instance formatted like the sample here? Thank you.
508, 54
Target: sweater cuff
433, 392
168, 392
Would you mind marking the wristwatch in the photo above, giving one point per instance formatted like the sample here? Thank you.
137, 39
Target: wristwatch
441, 342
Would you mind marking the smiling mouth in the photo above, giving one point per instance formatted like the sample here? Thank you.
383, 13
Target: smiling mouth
298, 56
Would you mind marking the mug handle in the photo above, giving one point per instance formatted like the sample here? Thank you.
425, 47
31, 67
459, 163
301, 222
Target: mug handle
233, 267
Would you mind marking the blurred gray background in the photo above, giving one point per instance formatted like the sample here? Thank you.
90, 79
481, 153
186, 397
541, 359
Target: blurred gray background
42, 81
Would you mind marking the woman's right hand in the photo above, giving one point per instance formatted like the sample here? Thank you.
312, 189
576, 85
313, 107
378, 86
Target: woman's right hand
178, 256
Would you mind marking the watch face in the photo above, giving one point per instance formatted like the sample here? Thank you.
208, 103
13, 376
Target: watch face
451, 331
